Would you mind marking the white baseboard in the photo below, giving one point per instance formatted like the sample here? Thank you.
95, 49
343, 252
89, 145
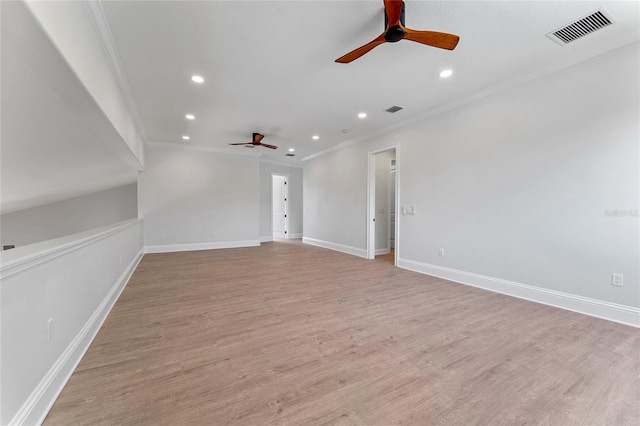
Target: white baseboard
337, 247
295, 236
596, 308
37, 406
168, 248
266, 239
383, 251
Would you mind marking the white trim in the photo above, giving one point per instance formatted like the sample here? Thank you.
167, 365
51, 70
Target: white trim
297, 163
396, 239
101, 25
295, 236
334, 246
37, 406
266, 239
168, 248
380, 251
203, 148
616, 42
342, 145
596, 308
55, 248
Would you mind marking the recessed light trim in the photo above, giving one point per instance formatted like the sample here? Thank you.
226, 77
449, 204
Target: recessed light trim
362, 115
190, 117
446, 73
197, 79
186, 138
315, 137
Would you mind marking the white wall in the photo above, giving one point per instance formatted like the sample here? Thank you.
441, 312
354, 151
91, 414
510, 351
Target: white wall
294, 199
197, 200
514, 187
69, 216
73, 280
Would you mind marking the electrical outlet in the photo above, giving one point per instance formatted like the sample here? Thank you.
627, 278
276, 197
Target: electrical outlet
616, 279
48, 330
440, 252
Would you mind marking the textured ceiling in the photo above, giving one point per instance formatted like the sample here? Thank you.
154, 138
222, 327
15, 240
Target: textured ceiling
269, 65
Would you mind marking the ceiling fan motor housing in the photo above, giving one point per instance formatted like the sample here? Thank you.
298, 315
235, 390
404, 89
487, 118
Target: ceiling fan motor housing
394, 34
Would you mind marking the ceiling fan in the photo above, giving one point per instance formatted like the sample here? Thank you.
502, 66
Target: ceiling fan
396, 31
257, 138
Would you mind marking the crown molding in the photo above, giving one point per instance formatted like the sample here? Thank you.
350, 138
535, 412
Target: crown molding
101, 25
202, 148
226, 151
617, 42
297, 164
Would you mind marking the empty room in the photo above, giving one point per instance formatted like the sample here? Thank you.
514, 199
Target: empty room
368, 212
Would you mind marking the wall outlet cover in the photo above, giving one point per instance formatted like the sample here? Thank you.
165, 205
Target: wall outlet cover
617, 280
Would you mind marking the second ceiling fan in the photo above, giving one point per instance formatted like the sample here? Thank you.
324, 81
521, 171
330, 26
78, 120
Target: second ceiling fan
256, 141
396, 31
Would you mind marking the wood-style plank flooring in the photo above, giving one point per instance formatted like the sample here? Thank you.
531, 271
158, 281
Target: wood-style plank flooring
290, 334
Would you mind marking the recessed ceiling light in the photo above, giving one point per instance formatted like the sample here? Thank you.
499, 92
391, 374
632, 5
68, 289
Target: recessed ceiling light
315, 137
345, 130
362, 115
291, 149
446, 73
190, 117
197, 79
186, 138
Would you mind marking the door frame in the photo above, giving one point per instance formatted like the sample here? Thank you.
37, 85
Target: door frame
391, 201
371, 203
286, 204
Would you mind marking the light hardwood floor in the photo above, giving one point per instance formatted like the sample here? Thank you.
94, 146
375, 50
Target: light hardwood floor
290, 334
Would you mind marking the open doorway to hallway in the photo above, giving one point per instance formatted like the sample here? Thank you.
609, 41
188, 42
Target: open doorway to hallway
382, 228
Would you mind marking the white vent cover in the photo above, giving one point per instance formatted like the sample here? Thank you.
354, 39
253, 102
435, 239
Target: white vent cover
580, 28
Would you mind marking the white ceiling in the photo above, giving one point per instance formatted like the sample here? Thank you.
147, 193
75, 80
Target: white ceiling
269, 68
269, 65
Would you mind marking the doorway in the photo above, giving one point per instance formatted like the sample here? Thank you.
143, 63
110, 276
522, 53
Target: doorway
279, 191
382, 201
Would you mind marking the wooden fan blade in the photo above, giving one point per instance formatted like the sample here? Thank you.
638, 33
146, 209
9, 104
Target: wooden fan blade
242, 143
432, 38
393, 9
355, 54
258, 137
269, 146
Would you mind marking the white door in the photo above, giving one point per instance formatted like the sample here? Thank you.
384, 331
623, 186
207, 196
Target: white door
279, 204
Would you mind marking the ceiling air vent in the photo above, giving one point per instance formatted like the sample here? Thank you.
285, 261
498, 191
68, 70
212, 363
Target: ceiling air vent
581, 27
290, 155
393, 109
